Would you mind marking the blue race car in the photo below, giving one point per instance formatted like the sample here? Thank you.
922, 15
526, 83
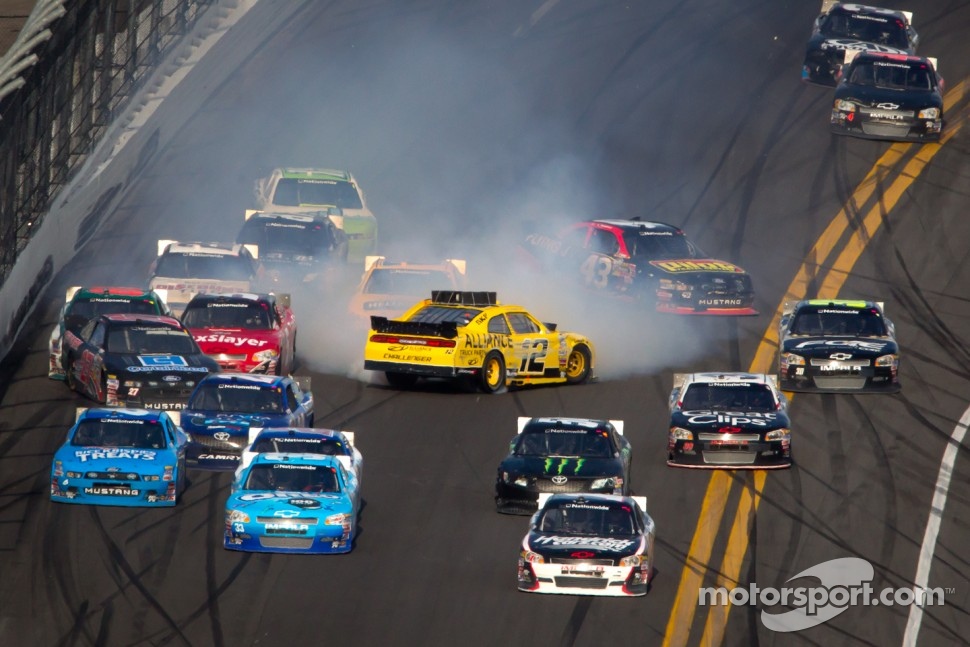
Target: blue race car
293, 503
294, 440
225, 413
126, 457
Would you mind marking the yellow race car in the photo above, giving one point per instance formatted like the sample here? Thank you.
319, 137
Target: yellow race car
470, 336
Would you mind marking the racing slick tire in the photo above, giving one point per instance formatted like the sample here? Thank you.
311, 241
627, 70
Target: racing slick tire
492, 376
401, 380
579, 365
69, 378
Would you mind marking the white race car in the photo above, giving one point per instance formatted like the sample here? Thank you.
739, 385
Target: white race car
588, 544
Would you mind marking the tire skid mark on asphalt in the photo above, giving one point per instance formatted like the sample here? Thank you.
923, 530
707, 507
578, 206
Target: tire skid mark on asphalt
835, 448
123, 568
212, 540
821, 251
57, 573
576, 619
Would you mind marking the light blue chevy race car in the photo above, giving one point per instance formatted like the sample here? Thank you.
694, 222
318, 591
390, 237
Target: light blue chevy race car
293, 503
124, 457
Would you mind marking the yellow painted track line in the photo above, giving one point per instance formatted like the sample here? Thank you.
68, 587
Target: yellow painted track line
737, 546
715, 498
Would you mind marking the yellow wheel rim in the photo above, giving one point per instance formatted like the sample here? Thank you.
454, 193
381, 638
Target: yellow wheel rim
576, 365
492, 372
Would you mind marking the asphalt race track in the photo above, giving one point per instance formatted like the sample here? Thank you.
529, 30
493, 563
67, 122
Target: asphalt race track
465, 123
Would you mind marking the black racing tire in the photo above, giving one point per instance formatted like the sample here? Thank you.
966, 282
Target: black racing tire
579, 365
401, 380
491, 379
69, 378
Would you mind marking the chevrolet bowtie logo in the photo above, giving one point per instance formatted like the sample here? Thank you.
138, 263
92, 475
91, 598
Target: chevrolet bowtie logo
840, 356
887, 106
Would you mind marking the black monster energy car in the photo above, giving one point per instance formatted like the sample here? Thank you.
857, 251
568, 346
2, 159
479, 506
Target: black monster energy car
568, 455
837, 346
841, 27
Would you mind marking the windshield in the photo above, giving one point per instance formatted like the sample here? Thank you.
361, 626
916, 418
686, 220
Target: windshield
293, 192
286, 237
839, 322
871, 29
564, 442
730, 396
96, 306
133, 434
651, 247
145, 341
236, 398
251, 315
891, 76
441, 314
204, 266
407, 282
296, 445
593, 518
285, 477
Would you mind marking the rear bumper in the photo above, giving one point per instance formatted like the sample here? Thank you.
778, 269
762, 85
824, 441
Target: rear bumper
421, 370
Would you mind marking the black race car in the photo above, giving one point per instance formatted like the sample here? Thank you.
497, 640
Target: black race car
129, 360
889, 96
562, 455
837, 346
294, 248
729, 420
844, 27
647, 261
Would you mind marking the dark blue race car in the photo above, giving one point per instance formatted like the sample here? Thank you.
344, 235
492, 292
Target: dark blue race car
224, 414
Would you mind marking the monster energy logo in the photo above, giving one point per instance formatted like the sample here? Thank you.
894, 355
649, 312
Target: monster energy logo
559, 465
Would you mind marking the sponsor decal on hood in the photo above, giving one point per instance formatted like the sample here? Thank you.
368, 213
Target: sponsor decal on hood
107, 453
598, 543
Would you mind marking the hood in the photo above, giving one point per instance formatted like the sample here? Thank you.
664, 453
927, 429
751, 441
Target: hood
729, 421
287, 505
233, 341
840, 348
888, 99
160, 365
566, 546
123, 458
235, 424
182, 290
568, 467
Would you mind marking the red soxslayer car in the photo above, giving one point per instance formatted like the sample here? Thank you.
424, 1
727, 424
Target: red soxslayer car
244, 333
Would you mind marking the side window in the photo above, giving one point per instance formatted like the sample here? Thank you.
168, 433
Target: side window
97, 337
522, 324
603, 242
88, 329
498, 325
291, 402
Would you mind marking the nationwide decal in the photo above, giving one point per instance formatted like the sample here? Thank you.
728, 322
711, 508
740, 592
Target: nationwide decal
559, 465
696, 266
553, 430
231, 340
732, 418
585, 506
84, 455
250, 387
603, 543
843, 343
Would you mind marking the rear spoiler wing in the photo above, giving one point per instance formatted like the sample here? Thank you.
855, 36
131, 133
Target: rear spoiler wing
448, 330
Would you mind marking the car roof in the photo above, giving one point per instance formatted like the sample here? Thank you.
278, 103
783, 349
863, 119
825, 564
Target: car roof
95, 291
129, 318
861, 9
734, 377
585, 423
638, 225
253, 379
588, 498
208, 249
102, 413
298, 432
323, 460
856, 304
316, 174
868, 55
235, 297
303, 218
